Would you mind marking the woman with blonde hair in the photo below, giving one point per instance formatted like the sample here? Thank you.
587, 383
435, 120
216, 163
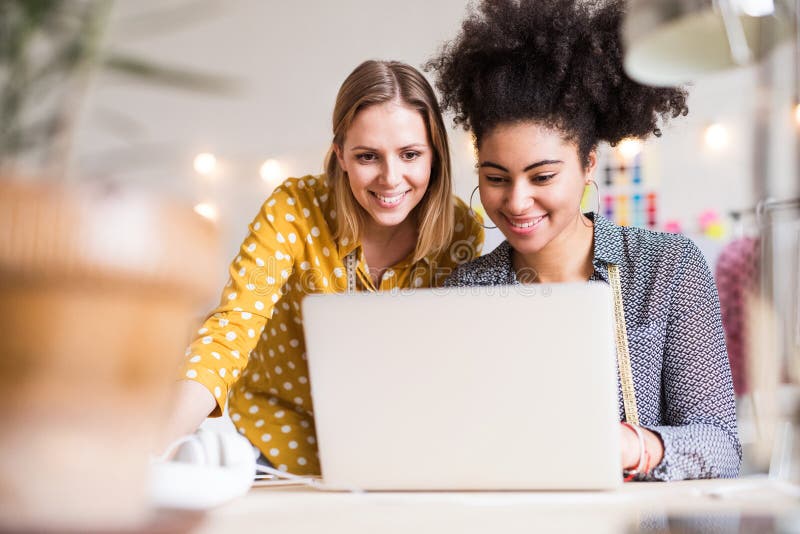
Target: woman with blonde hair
382, 217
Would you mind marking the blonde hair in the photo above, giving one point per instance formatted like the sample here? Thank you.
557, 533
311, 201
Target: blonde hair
377, 82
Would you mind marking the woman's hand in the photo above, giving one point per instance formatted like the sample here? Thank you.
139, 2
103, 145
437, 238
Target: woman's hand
630, 448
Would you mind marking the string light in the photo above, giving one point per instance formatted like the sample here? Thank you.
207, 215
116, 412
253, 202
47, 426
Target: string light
204, 209
271, 171
205, 163
716, 136
630, 147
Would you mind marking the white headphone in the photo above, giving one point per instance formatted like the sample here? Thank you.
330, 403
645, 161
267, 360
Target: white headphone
210, 468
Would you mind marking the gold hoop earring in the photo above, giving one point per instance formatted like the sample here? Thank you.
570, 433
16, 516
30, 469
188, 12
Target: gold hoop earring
475, 215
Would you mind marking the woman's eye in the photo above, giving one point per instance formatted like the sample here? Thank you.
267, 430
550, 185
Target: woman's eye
410, 156
542, 178
366, 157
495, 179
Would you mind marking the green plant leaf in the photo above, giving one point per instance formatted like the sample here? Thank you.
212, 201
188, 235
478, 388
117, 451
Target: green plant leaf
169, 76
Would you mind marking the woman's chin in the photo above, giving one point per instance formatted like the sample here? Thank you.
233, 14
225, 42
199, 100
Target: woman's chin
389, 220
524, 244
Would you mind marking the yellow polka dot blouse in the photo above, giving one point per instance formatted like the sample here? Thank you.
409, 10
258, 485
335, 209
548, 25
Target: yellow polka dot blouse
251, 349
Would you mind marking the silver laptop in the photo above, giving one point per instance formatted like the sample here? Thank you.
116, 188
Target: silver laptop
494, 388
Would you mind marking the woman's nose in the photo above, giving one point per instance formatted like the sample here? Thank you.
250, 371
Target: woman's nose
391, 174
520, 199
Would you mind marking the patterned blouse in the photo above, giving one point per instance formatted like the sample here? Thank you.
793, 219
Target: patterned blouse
250, 350
681, 373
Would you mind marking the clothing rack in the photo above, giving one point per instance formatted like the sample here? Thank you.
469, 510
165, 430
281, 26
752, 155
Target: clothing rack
771, 204
779, 224
763, 206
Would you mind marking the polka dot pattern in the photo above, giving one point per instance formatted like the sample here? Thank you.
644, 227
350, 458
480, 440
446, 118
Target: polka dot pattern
251, 349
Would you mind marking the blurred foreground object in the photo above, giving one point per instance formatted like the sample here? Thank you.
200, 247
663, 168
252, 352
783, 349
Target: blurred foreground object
673, 42
97, 293
98, 287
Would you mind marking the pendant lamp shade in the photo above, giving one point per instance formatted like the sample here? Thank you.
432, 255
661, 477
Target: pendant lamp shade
672, 42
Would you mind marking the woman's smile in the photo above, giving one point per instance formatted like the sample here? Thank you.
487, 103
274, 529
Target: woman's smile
524, 225
389, 200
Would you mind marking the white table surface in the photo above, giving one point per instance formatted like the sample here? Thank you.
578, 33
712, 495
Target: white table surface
707, 505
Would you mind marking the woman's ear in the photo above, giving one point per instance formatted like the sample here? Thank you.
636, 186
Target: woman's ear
591, 166
339, 156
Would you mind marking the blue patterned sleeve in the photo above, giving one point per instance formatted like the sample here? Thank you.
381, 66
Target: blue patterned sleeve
459, 277
699, 432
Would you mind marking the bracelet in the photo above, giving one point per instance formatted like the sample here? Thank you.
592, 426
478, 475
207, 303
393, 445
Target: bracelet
643, 466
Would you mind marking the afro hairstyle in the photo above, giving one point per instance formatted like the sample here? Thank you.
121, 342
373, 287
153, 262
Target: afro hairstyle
555, 62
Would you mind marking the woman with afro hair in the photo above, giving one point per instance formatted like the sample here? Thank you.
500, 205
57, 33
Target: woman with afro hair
540, 84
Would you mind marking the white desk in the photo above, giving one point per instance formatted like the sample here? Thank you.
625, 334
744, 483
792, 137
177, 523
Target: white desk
754, 505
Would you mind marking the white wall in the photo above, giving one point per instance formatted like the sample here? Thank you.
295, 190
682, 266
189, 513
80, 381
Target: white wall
291, 57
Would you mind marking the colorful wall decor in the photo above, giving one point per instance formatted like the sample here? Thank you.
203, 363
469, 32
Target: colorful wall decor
627, 197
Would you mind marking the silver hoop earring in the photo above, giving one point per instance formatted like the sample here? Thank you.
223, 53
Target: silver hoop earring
475, 215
